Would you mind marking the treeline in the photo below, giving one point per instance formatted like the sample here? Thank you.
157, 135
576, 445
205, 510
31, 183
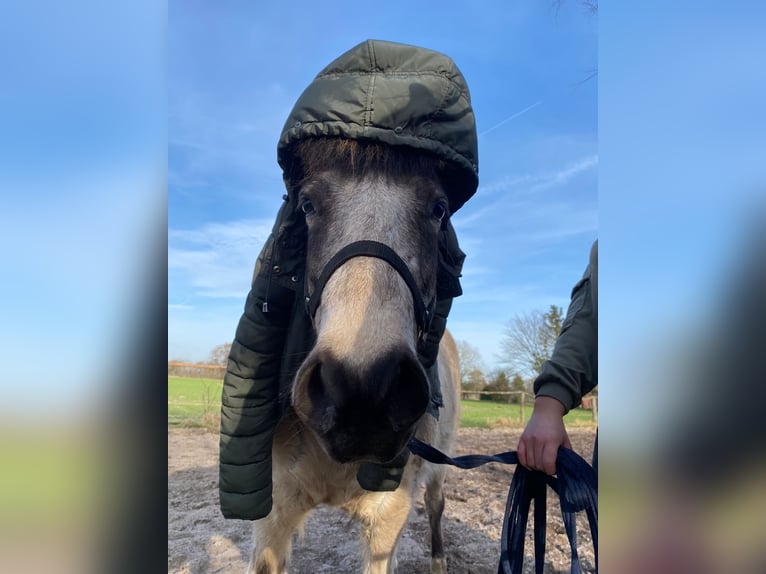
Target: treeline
213, 368
528, 342
496, 382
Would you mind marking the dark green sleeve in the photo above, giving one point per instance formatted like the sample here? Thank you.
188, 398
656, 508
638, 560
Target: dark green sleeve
572, 370
447, 287
250, 397
249, 403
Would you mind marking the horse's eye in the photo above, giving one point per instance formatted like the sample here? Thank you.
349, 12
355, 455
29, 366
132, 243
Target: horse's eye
307, 207
439, 212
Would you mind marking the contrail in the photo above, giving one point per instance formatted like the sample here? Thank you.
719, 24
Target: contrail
509, 118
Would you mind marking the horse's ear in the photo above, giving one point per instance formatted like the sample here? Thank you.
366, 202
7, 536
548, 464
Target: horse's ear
459, 185
292, 185
293, 169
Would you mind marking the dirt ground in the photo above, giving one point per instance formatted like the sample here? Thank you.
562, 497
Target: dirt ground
201, 541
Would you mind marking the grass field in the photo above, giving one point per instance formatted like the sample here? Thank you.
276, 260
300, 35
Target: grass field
192, 401
487, 414
197, 402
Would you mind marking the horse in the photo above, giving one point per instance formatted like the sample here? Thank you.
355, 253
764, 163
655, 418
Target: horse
361, 393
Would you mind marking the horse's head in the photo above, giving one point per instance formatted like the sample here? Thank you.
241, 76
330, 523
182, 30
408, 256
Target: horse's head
378, 149
362, 389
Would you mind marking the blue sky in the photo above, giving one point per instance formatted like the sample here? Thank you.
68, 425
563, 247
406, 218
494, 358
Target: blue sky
90, 106
96, 97
235, 72
82, 170
682, 188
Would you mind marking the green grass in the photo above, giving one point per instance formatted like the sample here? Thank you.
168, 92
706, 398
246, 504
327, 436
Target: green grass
193, 402
57, 480
197, 402
488, 414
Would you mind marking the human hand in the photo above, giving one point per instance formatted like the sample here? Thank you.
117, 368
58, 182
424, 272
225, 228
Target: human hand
539, 443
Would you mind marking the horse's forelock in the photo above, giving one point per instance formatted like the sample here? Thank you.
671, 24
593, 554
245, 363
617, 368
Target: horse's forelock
357, 158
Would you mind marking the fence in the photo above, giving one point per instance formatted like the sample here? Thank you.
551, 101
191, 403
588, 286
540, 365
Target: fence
589, 402
195, 370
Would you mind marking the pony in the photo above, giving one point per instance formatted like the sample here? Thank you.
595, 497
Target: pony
361, 393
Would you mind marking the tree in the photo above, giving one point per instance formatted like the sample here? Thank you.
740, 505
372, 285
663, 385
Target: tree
470, 361
499, 383
220, 354
552, 321
474, 381
518, 385
529, 339
590, 6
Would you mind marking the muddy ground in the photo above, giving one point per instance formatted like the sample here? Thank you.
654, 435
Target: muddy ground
201, 541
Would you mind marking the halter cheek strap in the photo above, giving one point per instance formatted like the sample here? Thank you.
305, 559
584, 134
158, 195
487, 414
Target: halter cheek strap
366, 248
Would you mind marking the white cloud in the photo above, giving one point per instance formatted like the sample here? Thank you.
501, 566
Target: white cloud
511, 117
217, 259
535, 183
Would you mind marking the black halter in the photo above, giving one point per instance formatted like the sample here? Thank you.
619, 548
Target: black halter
368, 248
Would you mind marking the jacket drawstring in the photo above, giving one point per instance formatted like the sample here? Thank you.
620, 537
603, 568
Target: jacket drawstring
265, 307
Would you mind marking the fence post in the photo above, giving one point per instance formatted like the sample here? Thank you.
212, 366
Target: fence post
521, 407
594, 408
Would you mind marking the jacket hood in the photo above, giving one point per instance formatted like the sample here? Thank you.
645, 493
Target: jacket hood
393, 94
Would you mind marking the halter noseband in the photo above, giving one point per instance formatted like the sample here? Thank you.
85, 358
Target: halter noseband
367, 248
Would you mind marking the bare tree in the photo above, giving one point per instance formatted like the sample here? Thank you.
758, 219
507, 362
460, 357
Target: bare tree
470, 361
529, 339
590, 6
220, 354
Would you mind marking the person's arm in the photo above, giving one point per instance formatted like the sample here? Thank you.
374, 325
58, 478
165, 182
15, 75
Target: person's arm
571, 372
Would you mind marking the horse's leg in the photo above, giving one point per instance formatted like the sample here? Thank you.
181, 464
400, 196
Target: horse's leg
382, 516
434, 500
274, 533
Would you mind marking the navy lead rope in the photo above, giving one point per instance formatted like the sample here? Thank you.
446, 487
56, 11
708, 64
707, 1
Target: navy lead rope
575, 483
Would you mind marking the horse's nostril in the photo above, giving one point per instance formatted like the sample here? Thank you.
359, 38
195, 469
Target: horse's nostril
315, 386
408, 395
324, 408
362, 412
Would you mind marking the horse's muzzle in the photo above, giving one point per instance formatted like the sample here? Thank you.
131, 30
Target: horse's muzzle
362, 414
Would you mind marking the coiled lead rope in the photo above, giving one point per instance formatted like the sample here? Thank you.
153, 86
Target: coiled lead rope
575, 483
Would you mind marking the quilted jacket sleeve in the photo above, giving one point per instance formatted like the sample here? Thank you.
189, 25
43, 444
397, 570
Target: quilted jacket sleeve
572, 370
447, 287
249, 405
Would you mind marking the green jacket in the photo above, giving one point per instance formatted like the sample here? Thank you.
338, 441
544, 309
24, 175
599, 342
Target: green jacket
572, 370
380, 92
